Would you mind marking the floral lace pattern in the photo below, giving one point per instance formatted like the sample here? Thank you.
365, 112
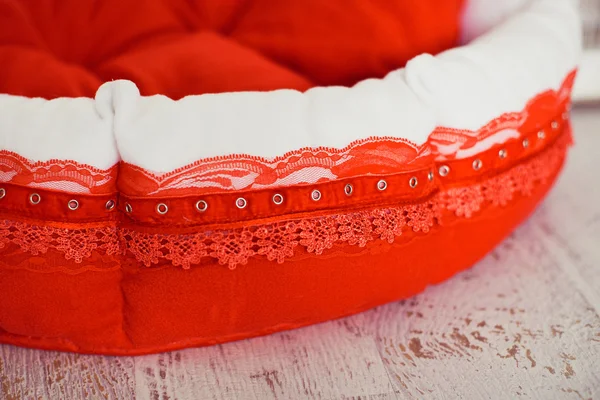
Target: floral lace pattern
448, 144
280, 240
63, 175
76, 244
373, 155
380, 155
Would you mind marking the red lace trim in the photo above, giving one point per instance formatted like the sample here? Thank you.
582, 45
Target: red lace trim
76, 244
63, 175
280, 240
371, 156
449, 144
382, 155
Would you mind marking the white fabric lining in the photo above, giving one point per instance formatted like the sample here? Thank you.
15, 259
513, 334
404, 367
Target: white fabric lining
463, 88
63, 129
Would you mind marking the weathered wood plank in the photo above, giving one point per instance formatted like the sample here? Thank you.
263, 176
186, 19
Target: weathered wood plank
36, 374
513, 326
573, 211
328, 361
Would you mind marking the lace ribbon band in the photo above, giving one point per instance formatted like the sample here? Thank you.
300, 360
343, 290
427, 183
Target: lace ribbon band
406, 207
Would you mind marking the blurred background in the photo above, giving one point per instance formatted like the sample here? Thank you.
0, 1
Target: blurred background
588, 86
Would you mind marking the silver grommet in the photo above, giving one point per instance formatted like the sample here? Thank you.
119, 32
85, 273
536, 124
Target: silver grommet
430, 176
128, 208
348, 189
502, 153
201, 205
444, 170
277, 199
554, 125
35, 198
477, 164
2, 193
525, 143
413, 182
382, 185
110, 205
241, 203
541, 135
162, 208
73, 205
315, 195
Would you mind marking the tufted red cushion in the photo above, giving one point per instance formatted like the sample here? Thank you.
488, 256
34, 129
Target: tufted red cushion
53, 48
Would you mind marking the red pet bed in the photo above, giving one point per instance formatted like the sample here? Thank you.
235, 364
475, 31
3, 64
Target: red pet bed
184, 173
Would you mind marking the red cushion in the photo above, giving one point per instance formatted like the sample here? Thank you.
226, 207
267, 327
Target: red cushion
52, 48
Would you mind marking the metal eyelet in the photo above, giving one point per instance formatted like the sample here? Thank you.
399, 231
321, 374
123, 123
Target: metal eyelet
201, 205
477, 164
348, 189
73, 205
413, 182
277, 199
554, 125
110, 205
241, 203
162, 208
430, 176
2, 193
35, 198
382, 185
315, 195
444, 170
525, 143
128, 208
541, 135
502, 153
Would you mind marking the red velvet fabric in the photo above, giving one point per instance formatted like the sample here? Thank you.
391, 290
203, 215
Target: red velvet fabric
52, 48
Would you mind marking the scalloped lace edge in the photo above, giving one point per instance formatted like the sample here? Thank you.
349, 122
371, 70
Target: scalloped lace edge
279, 240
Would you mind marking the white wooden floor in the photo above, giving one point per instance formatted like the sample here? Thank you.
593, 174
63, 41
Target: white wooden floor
524, 323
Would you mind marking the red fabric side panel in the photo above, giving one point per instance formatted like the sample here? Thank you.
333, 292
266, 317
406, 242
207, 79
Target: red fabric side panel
74, 312
214, 305
168, 308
